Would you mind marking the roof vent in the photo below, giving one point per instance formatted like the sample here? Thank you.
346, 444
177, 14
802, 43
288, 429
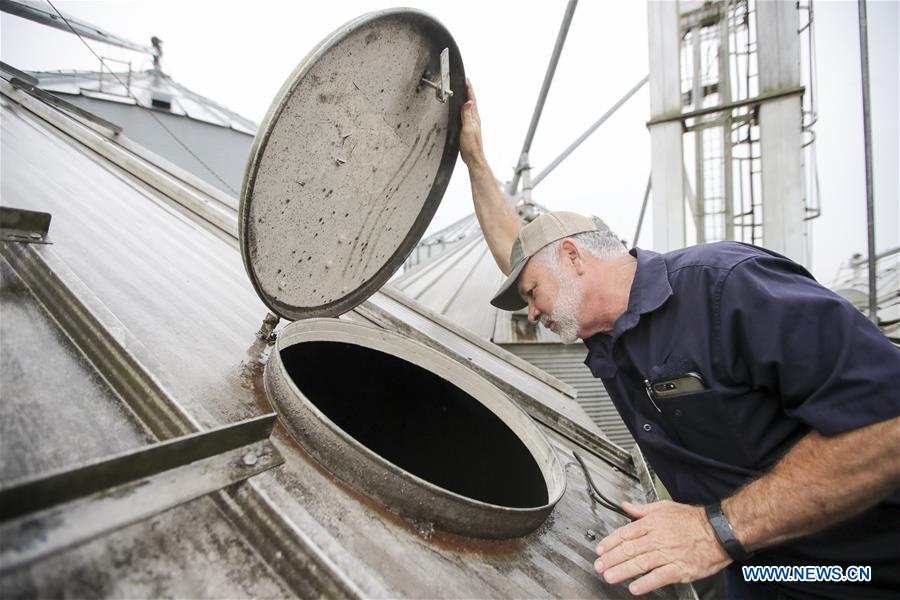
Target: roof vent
161, 99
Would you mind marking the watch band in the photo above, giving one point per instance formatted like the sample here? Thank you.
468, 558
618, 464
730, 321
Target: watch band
725, 534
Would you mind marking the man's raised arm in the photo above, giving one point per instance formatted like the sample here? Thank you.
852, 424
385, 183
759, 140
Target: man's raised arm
499, 223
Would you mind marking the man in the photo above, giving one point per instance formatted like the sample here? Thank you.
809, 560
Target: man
786, 448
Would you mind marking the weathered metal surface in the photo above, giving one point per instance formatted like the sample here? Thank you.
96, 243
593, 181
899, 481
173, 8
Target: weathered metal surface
49, 98
645, 474
148, 370
187, 552
146, 388
176, 183
404, 492
566, 361
35, 536
349, 164
46, 490
11, 71
42, 374
88, 89
145, 259
55, 411
115, 353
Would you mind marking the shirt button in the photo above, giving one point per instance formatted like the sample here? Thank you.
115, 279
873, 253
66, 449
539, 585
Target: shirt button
647, 426
677, 412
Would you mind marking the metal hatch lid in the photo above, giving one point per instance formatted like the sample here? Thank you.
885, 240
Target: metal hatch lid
350, 163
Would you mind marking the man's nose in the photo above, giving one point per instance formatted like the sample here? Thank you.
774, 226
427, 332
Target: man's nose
533, 313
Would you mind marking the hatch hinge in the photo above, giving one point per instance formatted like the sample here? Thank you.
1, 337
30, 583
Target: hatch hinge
267, 329
28, 226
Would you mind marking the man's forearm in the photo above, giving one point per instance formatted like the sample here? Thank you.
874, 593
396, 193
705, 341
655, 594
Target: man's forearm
499, 223
820, 481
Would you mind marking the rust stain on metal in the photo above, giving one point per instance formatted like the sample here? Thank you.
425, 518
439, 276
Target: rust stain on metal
251, 374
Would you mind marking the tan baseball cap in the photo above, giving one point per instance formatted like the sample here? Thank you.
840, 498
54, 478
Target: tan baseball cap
545, 229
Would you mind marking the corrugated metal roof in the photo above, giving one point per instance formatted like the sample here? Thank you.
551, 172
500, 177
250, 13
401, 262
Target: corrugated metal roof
455, 232
150, 87
159, 259
57, 410
460, 283
432, 246
852, 282
201, 136
567, 363
89, 425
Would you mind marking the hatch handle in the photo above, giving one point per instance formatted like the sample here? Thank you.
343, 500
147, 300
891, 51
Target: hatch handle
441, 90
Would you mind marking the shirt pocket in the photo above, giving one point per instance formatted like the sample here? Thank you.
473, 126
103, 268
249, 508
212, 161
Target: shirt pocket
703, 424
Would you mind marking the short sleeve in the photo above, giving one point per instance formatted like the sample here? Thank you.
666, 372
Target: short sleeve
830, 366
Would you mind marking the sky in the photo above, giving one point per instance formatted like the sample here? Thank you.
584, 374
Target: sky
239, 54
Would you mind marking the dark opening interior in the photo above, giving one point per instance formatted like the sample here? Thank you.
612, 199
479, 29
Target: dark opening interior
418, 421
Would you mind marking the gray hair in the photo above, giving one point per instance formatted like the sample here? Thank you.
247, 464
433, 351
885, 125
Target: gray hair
602, 244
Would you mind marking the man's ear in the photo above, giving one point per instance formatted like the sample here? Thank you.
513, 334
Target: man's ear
572, 255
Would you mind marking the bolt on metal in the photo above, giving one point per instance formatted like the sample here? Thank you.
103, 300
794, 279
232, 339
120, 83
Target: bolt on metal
441, 90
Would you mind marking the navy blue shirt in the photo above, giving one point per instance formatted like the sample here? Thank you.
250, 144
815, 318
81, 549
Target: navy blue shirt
780, 356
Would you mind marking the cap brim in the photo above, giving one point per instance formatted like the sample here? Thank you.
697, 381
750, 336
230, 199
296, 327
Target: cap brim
507, 297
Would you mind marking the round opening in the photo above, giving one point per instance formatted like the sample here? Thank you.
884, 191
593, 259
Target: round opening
412, 428
417, 420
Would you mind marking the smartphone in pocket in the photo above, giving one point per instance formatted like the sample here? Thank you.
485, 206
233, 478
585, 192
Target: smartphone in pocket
688, 383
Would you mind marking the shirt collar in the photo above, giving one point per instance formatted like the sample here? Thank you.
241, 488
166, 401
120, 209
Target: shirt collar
649, 290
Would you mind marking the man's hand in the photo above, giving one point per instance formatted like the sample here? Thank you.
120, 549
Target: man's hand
499, 223
470, 144
668, 543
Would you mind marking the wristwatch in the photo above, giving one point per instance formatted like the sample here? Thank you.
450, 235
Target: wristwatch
725, 534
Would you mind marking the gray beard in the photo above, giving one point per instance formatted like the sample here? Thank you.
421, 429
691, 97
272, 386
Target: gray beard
567, 309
